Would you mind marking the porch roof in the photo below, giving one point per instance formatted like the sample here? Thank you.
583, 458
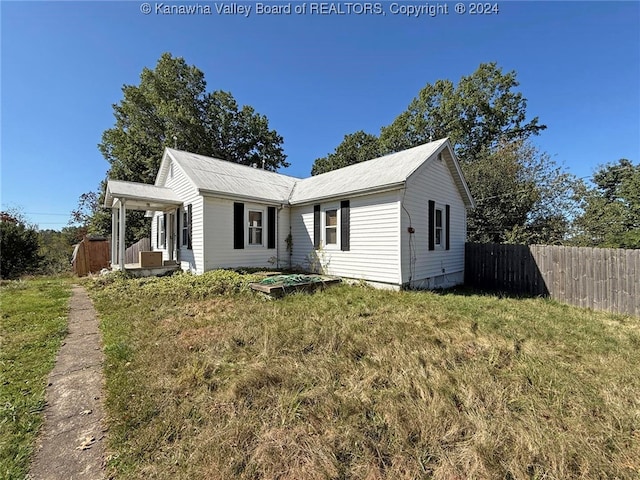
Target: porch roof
140, 196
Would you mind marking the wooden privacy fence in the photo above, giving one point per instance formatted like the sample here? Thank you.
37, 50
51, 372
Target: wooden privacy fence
598, 278
90, 256
131, 253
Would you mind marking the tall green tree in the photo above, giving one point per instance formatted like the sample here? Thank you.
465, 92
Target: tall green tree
611, 215
521, 196
171, 107
355, 148
19, 246
480, 112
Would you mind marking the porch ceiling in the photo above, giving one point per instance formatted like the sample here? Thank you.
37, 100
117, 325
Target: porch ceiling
140, 196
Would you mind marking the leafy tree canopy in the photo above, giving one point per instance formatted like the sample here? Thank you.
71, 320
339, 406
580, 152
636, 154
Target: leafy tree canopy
611, 215
355, 148
522, 195
171, 107
19, 245
482, 111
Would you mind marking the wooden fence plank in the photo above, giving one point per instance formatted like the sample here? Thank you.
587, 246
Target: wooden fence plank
598, 278
131, 253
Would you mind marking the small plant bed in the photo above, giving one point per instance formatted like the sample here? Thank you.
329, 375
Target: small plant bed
279, 285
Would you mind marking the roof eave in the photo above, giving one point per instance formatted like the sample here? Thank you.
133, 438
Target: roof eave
468, 200
232, 196
352, 193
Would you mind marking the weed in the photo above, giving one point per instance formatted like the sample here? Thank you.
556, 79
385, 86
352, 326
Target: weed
32, 326
361, 383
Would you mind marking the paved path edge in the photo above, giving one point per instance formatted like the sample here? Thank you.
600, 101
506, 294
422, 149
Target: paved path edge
71, 443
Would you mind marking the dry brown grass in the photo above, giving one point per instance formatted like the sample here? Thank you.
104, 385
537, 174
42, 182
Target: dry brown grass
353, 383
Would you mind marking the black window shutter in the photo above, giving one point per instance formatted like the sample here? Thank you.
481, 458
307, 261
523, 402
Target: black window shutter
190, 230
316, 226
271, 227
432, 225
158, 231
166, 230
446, 226
345, 220
238, 225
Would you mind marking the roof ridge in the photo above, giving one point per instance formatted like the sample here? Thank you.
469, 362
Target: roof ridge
232, 163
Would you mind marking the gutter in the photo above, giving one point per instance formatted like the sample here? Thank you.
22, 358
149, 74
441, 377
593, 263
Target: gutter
352, 193
231, 196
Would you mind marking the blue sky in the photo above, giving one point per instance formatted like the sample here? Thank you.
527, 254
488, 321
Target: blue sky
316, 77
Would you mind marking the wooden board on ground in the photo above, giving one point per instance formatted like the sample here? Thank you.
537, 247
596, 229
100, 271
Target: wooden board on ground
283, 287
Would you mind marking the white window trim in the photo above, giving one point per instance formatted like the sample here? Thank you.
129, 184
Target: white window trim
443, 240
262, 211
184, 230
323, 223
162, 232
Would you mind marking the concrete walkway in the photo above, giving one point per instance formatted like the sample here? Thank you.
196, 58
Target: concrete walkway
71, 443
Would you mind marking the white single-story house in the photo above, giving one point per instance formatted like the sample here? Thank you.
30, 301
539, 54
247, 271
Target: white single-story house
396, 221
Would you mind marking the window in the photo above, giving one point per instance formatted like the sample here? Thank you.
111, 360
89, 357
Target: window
439, 230
334, 230
162, 238
331, 227
255, 227
439, 226
185, 227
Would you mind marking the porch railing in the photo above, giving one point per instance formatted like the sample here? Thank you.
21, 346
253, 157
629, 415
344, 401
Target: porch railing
131, 253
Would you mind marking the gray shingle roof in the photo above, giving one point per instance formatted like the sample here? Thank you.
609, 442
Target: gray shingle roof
373, 174
211, 175
219, 176
139, 194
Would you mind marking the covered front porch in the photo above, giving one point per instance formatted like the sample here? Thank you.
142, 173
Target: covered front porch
122, 196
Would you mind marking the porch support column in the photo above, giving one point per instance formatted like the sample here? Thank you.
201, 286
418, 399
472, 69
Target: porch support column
114, 236
122, 221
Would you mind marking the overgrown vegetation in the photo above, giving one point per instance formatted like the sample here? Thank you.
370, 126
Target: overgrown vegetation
171, 107
207, 380
33, 324
19, 246
611, 216
522, 194
26, 250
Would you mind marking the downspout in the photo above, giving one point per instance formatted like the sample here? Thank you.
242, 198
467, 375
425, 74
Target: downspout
410, 244
278, 210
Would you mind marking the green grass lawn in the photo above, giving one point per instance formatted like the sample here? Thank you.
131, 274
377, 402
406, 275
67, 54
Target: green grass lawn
32, 326
208, 380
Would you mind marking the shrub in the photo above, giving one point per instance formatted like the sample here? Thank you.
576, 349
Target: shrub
19, 247
181, 285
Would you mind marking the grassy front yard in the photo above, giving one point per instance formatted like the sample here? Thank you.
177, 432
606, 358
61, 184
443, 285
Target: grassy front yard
32, 325
208, 380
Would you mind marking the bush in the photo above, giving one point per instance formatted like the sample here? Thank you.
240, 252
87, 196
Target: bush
19, 247
181, 285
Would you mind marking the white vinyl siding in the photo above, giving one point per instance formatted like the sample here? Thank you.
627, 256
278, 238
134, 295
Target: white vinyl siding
190, 260
432, 181
374, 232
218, 231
